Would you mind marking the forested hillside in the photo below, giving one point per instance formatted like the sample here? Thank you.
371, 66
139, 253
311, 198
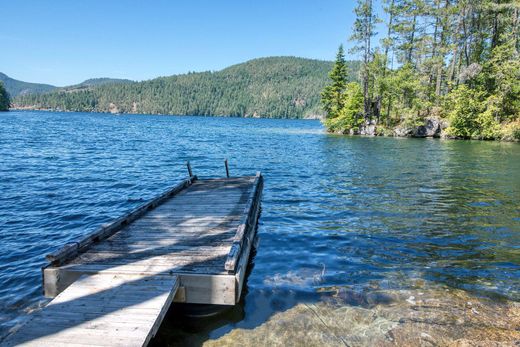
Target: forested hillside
15, 87
93, 82
443, 67
4, 98
278, 87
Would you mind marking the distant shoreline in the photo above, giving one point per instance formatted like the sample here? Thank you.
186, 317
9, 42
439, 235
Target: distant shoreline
412, 133
157, 114
278, 87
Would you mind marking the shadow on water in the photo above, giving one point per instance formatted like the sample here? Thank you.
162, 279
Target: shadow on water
374, 228
62, 322
116, 298
192, 325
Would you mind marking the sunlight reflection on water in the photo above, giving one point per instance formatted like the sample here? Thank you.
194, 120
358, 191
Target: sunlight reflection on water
356, 213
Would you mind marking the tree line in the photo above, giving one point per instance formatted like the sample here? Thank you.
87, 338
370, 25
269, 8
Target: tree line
457, 60
278, 87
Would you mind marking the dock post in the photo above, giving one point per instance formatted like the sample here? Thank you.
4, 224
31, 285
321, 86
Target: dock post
227, 168
189, 168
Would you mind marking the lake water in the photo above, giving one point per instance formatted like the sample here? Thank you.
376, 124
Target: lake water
339, 214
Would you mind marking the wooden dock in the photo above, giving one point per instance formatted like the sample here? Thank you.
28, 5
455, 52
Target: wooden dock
191, 244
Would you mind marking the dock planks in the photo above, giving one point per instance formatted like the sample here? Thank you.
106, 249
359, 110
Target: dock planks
101, 310
191, 244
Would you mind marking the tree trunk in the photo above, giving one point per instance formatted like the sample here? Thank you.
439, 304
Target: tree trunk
434, 54
366, 74
515, 29
412, 39
455, 52
387, 47
389, 35
440, 63
388, 110
495, 33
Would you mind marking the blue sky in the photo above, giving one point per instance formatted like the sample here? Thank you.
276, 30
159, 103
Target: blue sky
65, 42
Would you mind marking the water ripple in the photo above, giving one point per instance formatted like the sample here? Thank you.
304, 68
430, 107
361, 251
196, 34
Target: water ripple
337, 211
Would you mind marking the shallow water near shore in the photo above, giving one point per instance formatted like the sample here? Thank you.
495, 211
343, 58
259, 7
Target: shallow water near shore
352, 230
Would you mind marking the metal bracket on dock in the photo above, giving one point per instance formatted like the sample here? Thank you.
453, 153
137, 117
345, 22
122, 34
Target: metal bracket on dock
190, 174
227, 168
226, 278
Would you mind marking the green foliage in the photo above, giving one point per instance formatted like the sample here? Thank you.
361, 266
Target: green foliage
4, 98
278, 87
500, 78
511, 131
488, 127
332, 95
92, 82
406, 91
454, 59
362, 32
489, 98
465, 104
469, 117
351, 114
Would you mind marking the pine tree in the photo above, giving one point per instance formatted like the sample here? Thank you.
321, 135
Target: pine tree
4, 98
270, 87
363, 32
332, 97
456, 59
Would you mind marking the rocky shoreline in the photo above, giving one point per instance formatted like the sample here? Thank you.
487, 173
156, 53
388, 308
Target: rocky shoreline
113, 109
433, 127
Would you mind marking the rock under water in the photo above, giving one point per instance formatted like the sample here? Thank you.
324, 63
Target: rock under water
446, 317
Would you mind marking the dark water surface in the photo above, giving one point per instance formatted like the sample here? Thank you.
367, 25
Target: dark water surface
337, 211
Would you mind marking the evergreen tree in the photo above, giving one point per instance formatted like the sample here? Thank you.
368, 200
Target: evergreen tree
350, 117
455, 59
4, 98
268, 87
363, 32
332, 96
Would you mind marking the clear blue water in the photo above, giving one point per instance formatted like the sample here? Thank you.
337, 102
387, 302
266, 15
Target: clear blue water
337, 211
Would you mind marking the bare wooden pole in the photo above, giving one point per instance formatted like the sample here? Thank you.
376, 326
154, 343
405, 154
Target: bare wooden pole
189, 168
227, 168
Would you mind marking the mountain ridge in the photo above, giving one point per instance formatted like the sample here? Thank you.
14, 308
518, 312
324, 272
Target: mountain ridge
278, 87
16, 87
93, 82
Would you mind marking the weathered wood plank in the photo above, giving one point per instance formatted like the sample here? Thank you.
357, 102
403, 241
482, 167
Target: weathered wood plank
109, 229
159, 264
164, 221
167, 251
149, 269
245, 223
101, 310
171, 237
139, 230
189, 234
210, 237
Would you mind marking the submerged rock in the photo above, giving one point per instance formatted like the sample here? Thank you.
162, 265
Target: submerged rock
440, 317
